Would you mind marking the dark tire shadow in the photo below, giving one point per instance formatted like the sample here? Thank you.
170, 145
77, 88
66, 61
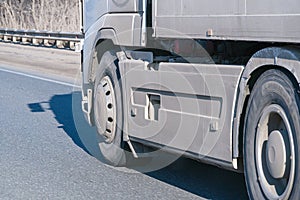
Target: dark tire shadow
62, 108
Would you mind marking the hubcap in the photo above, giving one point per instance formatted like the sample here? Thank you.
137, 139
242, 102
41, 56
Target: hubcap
274, 153
105, 109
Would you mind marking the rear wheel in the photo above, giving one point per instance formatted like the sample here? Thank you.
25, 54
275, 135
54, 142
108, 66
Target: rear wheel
108, 110
271, 138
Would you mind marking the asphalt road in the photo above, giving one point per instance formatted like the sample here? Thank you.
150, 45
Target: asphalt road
43, 156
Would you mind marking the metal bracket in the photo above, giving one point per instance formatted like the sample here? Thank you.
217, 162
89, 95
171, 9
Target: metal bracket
86, 105
132, 149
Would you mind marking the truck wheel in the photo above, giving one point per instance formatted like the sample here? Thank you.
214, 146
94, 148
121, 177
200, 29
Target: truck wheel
271, 138
108, 110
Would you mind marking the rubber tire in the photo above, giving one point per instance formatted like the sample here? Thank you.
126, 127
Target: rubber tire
113, 153
265, 92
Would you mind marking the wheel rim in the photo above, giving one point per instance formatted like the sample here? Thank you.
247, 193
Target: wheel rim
105, 109
275, 154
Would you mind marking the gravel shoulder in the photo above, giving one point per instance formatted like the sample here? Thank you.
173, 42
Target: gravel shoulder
60, 64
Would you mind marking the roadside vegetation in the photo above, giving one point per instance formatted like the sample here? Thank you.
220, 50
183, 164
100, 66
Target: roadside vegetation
43, 15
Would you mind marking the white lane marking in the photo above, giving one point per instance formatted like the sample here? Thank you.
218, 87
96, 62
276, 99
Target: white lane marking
40, 78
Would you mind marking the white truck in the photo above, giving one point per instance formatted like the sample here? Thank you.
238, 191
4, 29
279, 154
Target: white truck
216, 81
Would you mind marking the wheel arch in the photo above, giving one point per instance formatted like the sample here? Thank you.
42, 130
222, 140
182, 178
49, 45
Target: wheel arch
286, 59
106, 40
122, 29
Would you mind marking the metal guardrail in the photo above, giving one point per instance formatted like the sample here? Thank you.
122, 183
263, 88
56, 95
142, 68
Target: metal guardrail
62, 40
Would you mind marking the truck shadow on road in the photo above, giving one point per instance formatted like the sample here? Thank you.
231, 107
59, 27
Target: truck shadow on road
61, 106
203, 180
191, 176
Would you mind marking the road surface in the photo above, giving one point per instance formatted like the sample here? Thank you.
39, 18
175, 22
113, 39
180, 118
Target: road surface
42, 155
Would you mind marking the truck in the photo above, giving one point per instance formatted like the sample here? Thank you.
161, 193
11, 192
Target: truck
216, 81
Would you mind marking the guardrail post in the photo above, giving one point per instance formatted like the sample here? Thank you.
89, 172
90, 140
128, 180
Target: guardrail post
15, 39
6, 38
25, 40
46, 42
72, 45
35, 41
59, 44
49, 42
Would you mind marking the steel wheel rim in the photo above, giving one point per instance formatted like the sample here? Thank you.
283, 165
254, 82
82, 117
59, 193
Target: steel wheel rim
279, 187
105, 109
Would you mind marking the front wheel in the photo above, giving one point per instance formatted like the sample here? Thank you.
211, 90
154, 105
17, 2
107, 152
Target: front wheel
108, 110
271, 138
